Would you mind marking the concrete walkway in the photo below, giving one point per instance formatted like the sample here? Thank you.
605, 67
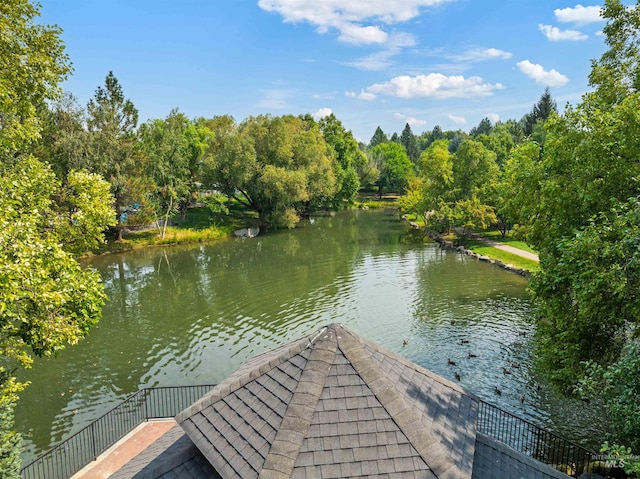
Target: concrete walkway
124, 450
509, 249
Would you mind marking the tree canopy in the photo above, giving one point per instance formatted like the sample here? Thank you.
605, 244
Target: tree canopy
47, 300
585, 222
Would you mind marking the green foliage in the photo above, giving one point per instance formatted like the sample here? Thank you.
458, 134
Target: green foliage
64, 143
471, 214
622, 457
395, 169
174, 148
348, 156
436, 170
378, 137
216, 203
616, 74
587, 292
10, 440
47, 300
484, 128
518, 192
83, 207
279, 166
475, 171
111, 121
408, 140
33, 63
617, 385
540, 113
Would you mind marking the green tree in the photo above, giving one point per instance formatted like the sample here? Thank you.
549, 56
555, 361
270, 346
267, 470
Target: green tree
369, 171
475, 171
280, 167
378, 137
47, 300
519, 188
410, 143
484, 128
470, 214
33, 63
174, 148
396, 168
540, 113
349, 157
499, 141
64, 142
112, 121
436, 171
586, 223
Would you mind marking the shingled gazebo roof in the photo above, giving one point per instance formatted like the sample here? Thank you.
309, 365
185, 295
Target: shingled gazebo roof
332, 405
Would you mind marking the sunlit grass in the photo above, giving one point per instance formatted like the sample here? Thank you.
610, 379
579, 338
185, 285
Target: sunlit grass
200, 225
497, 236
507, 258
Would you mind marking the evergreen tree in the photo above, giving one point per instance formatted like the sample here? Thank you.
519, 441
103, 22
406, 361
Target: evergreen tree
483, 128
540, 112
408, 140
112, 121
378, 137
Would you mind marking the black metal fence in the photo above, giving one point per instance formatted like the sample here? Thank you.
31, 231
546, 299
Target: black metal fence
534, 441
86, 445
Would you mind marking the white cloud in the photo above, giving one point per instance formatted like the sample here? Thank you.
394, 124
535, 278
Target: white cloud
274, 99
363, 95
409, 119
481, 54
350, 17
358, 35
579, 14
458, 120
375, 62
494, 117
555, 34
540, 75
322, 112
435, 85
382, 59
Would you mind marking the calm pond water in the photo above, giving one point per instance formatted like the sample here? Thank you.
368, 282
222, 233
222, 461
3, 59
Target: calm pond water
193, 314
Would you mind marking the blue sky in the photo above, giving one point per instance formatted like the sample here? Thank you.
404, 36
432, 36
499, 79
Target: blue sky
371, 62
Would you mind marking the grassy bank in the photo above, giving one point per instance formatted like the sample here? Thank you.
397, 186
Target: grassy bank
508, 258
200, 225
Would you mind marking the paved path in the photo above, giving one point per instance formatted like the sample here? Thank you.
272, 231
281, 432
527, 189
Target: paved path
510, 249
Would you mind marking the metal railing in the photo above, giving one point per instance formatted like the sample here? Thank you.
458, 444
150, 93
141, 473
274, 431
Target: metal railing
71, 455
86, 445
534, 441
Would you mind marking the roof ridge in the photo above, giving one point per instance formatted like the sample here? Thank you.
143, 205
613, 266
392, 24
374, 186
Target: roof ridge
235, 382
399, 409
284, 450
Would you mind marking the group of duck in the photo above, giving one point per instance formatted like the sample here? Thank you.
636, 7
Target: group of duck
471, 355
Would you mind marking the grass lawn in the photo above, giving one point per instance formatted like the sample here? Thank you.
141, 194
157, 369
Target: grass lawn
496, 236
200, 225
508, 258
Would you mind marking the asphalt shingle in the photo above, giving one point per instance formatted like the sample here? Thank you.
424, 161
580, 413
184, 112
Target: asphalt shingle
334, 405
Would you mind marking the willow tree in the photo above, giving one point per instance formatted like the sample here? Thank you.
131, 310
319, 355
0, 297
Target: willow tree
280, 167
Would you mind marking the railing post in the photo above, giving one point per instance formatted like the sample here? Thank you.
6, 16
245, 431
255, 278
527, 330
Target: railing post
93, 441
147, 394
